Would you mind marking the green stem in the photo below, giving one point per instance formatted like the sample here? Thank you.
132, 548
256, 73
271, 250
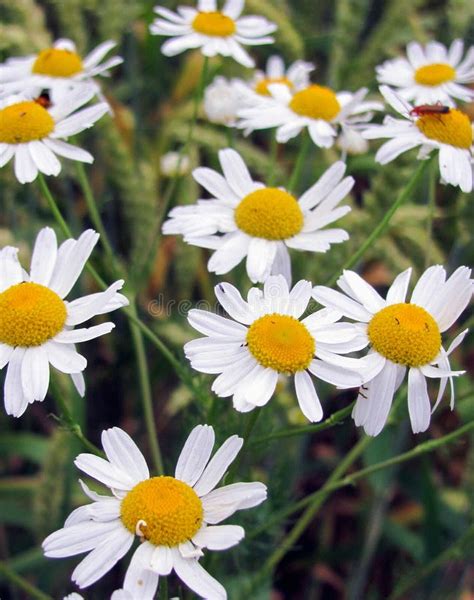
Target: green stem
163, 590
301, 159
33, 592
179, 368
68, 421
334, 419
145, 390
455, 552
248, 428
432, 179
95, 215
423, 448
314, 506
377, 232
273, 161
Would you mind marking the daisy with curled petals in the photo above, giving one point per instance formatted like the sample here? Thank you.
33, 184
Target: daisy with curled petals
316, 108
450, 133
265, 338
431, 74
37, 324
212, 30
175, 518
247, 219
34, 135
403, 335
58, 65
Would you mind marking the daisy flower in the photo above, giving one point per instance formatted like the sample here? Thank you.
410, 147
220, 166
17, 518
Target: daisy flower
449, 133
432, 73
246, 219
212, 30
402, 335
37, 324
174, 518
222, 101
265, 338
34, 134
58, 65
295, 77
316, 108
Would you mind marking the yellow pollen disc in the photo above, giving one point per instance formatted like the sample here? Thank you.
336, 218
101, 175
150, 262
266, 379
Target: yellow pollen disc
213, 24
171, 511
24, 122
57, 62
435, 74
405, 334
453, 128
281, 343
316, 102
262, 86
269, 213
30, 315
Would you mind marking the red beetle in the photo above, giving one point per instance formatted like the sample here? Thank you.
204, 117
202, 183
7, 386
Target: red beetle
429, 109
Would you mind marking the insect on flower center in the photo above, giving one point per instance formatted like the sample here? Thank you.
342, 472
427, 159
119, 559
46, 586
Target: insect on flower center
435, 74
406, 334
316, 102
269, 213
262, 86
281, 343
214, 24
24, 122
57, 62
30, 315
162, 510
453, 128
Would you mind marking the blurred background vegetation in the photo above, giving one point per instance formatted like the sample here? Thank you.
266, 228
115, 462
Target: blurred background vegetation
401, 525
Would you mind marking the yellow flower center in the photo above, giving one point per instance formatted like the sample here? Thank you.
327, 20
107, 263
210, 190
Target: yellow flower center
57, 62
453, 128
24, 122
281, 343
435, 74
269, 213
163, 510
30, 315
316, 102
262, 86
406, 334
214, 24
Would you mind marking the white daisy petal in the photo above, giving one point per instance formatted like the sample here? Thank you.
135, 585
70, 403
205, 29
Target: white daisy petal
223, 502
419, 405
104, 556
15, 399
219, 537
379, 394
196, 578
195, 454
209, 324
10, 268
44, 255
25, 167
44, 158
398, 290
233, 303
35, 374
307, 397
122, 451
337, 301
140, 580
105, 472
77, 539
218, 465
64, 358
73, 336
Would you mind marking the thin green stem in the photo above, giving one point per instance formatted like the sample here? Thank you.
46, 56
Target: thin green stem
273, 161
68, 422
33, 592
455, 552
334, 419
146, 395
423, 448
301, 159
53, 206
95, 215
432, 180
163, 589
314, 506
382, 226
249, 426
